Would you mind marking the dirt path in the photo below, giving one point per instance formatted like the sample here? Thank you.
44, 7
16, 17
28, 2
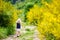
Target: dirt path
30, 34
11, 38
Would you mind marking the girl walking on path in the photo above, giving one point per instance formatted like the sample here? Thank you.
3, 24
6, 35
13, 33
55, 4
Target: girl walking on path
18, 27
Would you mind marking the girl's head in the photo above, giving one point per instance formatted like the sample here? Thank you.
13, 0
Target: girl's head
18, 21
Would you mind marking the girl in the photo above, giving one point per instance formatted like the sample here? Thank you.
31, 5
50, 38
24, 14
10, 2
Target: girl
18, 27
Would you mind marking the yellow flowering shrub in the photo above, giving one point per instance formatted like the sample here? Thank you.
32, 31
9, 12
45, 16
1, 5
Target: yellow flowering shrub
8, 9
14, 17
8, 16
47, 19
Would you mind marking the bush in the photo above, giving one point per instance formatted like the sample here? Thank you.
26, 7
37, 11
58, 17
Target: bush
10, 30
46, 18
5, 19
3, 32
8, 17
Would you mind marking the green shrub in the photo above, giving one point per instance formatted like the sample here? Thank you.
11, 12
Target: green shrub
10, 30
50, 36
4, 20
3, 32
8, 17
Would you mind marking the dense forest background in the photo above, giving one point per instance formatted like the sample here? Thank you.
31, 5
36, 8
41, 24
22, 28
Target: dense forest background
45, 14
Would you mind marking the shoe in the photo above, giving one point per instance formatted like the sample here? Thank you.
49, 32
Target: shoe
18, 35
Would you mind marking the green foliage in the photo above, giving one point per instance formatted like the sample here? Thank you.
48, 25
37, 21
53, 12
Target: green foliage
25, 6
3, 32
4, 20
48, 1
10, 30
50, 36
8, 17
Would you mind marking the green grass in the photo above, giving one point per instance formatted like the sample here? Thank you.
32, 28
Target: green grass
27, 36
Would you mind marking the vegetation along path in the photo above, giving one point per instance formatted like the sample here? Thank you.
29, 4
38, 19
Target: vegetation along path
27, 33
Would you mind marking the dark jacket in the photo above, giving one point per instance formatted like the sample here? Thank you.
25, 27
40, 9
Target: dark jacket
18, 25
